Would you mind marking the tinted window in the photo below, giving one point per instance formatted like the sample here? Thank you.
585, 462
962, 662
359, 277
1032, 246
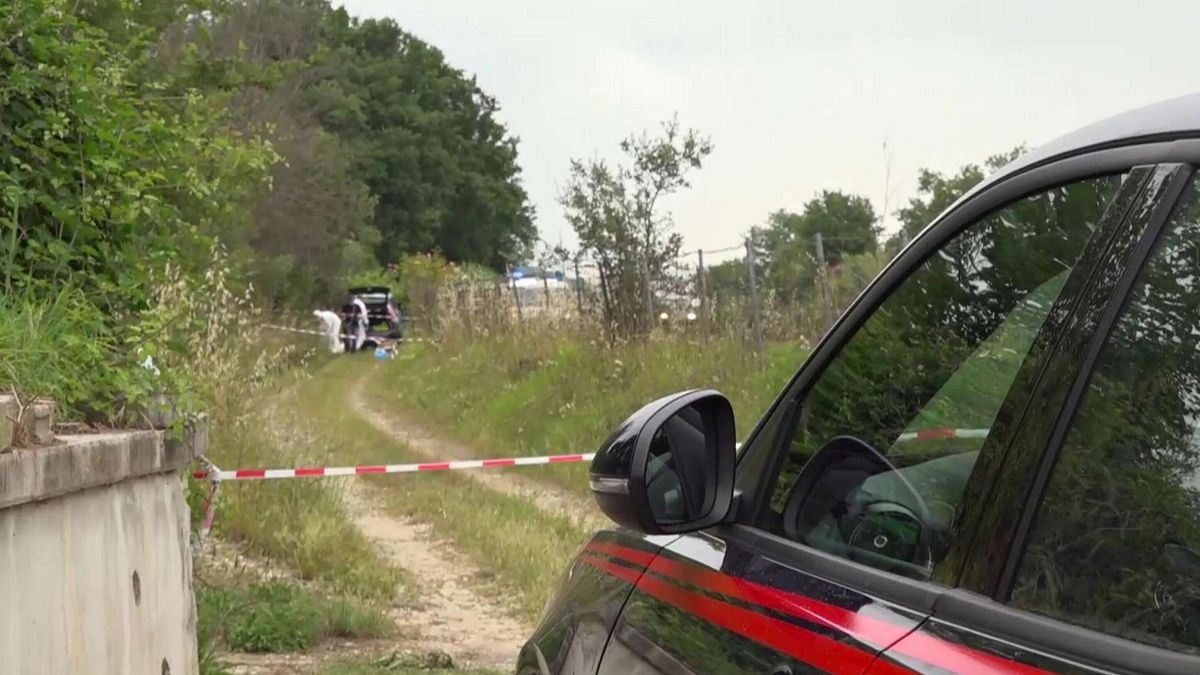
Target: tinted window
918, 387
1116, 541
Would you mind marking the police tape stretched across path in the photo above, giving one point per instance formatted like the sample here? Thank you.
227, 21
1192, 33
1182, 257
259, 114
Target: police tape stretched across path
213, 473
216, 476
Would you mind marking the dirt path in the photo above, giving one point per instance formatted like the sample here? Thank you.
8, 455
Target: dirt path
549, 499
446, 609
450, 614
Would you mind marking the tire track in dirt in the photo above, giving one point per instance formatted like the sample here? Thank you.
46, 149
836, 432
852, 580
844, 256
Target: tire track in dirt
549, 499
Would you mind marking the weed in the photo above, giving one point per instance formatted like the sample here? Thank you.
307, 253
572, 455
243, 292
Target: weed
282, 616
206, 643
58, 345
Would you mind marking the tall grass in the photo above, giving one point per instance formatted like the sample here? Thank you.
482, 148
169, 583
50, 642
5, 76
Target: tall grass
55, 344
303, 524
533, 393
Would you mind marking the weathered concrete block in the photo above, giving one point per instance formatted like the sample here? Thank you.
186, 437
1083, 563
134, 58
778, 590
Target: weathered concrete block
95, 575
37, 423
93, 460
8, 420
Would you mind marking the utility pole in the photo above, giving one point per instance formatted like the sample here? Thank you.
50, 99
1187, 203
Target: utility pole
750, 273
822, 276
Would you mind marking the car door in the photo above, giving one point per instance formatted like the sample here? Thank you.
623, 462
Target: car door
575, 625
1098, 568
859, 492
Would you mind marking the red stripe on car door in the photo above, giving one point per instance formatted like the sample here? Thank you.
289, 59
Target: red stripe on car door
813, 648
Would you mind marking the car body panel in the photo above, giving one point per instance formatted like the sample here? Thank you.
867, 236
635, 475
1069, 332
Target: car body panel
576, 624
708, 604
938, 647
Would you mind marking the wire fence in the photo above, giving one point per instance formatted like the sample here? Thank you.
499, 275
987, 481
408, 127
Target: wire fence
751, 297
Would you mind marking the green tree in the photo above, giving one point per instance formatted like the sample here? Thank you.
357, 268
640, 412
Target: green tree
426, 141
616, 215
847, 225
100, 183
936, 192
105, 187
386, 149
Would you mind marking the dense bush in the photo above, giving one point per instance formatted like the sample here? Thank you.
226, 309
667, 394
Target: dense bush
103, 185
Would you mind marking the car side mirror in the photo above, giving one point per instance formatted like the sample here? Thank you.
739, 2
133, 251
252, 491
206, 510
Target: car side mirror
669, 467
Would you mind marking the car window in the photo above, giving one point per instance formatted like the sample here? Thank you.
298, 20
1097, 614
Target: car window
883, 443
1115, 544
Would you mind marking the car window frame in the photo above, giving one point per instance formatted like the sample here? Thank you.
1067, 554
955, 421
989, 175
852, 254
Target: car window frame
758, 463
991, 612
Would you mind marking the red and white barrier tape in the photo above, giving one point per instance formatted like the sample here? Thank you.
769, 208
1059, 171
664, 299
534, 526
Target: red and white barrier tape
212, 473
305, 331
215, 475
329, 471
942, 434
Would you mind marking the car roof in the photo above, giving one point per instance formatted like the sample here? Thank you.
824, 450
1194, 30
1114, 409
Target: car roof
1166, 120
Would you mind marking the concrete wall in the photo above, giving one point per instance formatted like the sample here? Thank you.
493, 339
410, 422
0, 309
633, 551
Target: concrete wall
95, 558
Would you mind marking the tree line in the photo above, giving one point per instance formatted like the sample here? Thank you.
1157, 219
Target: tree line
299, 145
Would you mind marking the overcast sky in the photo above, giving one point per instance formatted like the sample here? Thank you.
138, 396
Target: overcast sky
800, 96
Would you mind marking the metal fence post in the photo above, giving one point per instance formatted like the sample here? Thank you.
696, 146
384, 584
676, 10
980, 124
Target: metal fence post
757, 308
702, 291
516, 295
579, 294
823, 277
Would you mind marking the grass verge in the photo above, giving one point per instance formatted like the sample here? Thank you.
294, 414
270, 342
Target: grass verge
535, 394
525, 548
283, 616
301, 523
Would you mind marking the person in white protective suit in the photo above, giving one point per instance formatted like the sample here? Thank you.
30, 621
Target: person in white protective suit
360, 326
331, 328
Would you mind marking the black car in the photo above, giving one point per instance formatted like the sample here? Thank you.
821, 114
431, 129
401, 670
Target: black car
383, 316
991, 463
